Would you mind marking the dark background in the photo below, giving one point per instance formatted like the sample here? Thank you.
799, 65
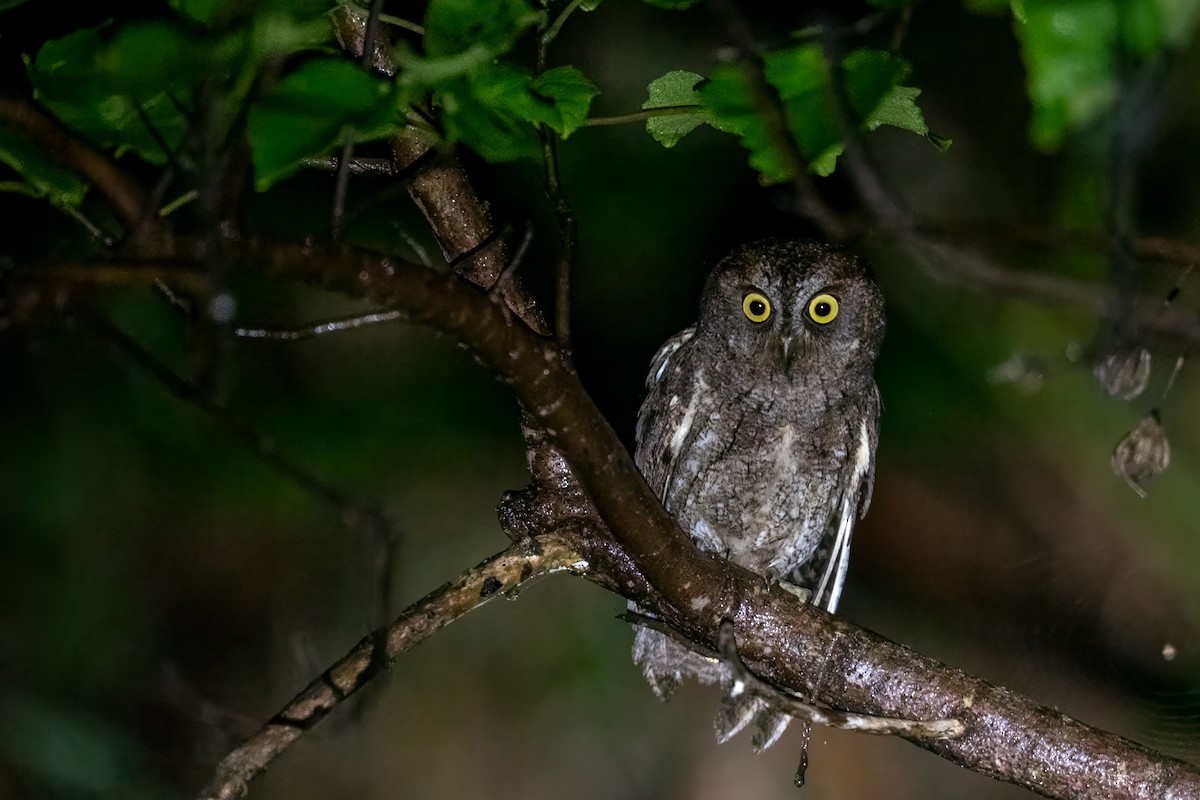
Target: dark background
162, 591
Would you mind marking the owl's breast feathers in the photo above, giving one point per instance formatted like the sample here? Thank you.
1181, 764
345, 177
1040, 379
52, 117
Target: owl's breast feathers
768, 476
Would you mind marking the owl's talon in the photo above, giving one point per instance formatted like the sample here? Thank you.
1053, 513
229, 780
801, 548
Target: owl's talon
776, 707
804, 593
736, 711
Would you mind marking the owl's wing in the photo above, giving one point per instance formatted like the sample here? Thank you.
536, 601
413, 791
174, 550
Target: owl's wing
858, 479
661, 423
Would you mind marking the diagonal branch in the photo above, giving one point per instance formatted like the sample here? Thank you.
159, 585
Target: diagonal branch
795, 646
123, 193
375, 653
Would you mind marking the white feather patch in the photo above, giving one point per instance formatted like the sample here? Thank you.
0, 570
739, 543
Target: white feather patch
834, 576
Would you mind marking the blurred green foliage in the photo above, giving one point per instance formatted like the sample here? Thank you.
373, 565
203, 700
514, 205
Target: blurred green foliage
138, 85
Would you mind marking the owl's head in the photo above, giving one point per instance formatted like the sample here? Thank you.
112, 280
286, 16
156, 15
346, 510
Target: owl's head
798, 309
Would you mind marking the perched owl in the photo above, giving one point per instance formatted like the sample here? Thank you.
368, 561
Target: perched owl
758, 433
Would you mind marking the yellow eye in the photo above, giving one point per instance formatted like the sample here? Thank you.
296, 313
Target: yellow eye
823, 308
756, 307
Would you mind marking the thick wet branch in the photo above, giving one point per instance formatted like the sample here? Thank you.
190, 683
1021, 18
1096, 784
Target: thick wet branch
793, 645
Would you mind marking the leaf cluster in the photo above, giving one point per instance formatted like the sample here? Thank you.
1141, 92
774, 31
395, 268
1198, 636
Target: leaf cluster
473, 73
806, 92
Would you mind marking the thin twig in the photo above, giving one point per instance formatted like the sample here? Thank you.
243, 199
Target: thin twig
178, 203
562, 210
566, 257
371, 34
551, 32
357, 166
643, 115
156, 135
400, 22
1187, 351
352, 510
515, 262
375, 653
1145, 248
315, 329
342, 184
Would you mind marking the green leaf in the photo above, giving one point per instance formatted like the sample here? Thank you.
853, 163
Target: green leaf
494, 110
942, 143
562, 97
870, 75
479, 114
463, 37
432, 72
205, 11
728, 96
1178, 19
273, 34
455, 26
5, 5
801, 77
130, 91
311, 110
676, 88
873, 79
136, 87
899, 109
797, 71
991, 7
45, 177
584, 5
147, 58
214, 13
1069, 50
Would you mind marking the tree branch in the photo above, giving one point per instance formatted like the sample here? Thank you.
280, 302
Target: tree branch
124, 194
793, 645
501, 573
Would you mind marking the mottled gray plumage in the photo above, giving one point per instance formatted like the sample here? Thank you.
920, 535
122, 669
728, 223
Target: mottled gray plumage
759, 434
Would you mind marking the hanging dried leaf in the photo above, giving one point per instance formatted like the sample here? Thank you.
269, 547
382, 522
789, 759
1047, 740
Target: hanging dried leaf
1124, 372
1143, 454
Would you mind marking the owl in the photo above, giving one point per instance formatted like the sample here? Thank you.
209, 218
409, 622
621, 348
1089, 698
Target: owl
758, 434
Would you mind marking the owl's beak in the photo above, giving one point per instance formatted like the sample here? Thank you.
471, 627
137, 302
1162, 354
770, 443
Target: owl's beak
790, 346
